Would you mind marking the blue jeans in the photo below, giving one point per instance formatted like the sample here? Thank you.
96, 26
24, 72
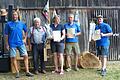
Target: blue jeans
103, 51
38, 56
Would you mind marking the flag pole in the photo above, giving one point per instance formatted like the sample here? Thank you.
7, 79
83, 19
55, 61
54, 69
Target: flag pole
46, 15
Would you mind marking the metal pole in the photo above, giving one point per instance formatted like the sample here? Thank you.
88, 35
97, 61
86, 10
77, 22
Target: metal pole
10, 8
3, 21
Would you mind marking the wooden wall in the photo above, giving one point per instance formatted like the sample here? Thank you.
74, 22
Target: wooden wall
63, 3
88, 10
111, 16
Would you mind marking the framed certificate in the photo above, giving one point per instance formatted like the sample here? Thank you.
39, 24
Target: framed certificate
71, 31
96, 35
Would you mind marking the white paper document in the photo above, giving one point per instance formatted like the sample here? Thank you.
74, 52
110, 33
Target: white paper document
56, 35
71, 31
91, 30
96, 35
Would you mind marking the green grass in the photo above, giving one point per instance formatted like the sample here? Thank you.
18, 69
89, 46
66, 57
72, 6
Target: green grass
113, 73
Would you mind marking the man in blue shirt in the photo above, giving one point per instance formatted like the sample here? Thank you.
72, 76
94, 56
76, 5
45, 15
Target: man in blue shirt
14, 35
103, 44
72, 33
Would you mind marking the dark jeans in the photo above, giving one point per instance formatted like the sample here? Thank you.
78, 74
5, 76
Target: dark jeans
38, 56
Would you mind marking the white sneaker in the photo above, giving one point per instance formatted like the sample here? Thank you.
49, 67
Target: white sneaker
68, 69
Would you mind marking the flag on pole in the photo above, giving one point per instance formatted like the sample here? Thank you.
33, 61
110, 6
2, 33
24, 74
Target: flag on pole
46, 21
19, 15
54, 14
76, 19
45, 11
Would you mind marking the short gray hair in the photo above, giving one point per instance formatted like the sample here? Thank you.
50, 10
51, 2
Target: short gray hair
37, 19
71, 15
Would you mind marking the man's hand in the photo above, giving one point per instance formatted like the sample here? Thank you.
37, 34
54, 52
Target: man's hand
30, 47
70, 35
24, 40
58, 40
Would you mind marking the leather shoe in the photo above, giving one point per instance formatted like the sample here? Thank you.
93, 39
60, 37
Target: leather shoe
36, 72
43, 71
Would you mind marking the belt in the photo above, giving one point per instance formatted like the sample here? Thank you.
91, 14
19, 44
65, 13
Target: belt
37, 43
71, 43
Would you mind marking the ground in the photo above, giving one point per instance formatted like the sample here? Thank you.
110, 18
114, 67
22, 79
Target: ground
113, 73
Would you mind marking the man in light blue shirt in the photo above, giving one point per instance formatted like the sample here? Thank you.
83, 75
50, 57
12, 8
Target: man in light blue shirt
37, 35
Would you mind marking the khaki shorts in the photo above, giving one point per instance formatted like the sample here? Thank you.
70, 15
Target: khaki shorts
72, 46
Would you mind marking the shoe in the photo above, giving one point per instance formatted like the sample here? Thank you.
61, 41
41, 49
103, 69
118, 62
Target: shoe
61, 72
55, 71
68, 69
103, 72
98, 69
29, 74
43, 71
17, 75
36, 72
76, 69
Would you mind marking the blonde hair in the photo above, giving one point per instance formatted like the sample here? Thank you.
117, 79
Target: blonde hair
56, 16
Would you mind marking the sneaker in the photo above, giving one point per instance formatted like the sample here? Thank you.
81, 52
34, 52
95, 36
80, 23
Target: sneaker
76, 69
103, 72
55, 71
68, 69
17, 75
29, 74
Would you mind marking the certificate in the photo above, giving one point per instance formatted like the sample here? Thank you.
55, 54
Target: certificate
96, 35
56, 35
71, 31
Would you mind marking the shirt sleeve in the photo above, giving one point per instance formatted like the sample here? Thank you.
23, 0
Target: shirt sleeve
29, 33
109, 29
62, 27
78, 28
24, 27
